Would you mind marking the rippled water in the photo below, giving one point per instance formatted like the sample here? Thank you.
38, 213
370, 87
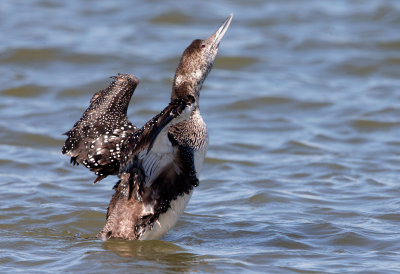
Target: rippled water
302, 173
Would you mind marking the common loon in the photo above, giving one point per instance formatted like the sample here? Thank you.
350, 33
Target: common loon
159, 163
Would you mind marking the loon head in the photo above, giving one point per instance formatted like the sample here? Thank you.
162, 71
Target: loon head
196, 62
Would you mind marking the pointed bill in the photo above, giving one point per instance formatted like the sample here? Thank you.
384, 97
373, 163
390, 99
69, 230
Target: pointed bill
217, 36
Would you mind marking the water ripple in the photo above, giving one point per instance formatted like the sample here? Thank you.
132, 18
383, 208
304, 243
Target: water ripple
302, 169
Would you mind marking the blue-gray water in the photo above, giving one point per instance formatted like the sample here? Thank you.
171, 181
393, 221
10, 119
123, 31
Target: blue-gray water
302, 106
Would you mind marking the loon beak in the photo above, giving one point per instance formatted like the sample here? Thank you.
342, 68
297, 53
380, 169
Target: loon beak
217, 36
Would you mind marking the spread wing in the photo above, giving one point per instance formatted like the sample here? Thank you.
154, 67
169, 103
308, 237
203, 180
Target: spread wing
153, 136
145, 149
97, 138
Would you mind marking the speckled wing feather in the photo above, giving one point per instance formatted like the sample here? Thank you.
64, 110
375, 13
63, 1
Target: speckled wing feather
97, 138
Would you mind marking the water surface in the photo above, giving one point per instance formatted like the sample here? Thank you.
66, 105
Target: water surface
302, 106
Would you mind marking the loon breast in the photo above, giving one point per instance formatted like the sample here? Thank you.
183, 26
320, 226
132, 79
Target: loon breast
177, 206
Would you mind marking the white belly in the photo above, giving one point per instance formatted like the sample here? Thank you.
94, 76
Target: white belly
168, 219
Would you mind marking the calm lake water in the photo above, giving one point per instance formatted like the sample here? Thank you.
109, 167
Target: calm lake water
303, 110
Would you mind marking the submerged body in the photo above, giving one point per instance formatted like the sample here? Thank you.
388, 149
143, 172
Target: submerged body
158, 164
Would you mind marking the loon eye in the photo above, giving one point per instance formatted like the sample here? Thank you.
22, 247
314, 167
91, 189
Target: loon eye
203, 46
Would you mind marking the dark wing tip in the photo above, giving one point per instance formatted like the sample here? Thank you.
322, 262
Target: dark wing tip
99, 178
73, 161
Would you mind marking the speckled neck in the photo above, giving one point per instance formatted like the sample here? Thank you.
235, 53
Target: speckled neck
191, 72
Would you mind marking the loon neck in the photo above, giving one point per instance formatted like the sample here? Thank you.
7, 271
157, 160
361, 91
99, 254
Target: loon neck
184, 88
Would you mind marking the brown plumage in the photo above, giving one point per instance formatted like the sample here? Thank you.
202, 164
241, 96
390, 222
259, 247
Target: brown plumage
97, 138
158, 164
131, 193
